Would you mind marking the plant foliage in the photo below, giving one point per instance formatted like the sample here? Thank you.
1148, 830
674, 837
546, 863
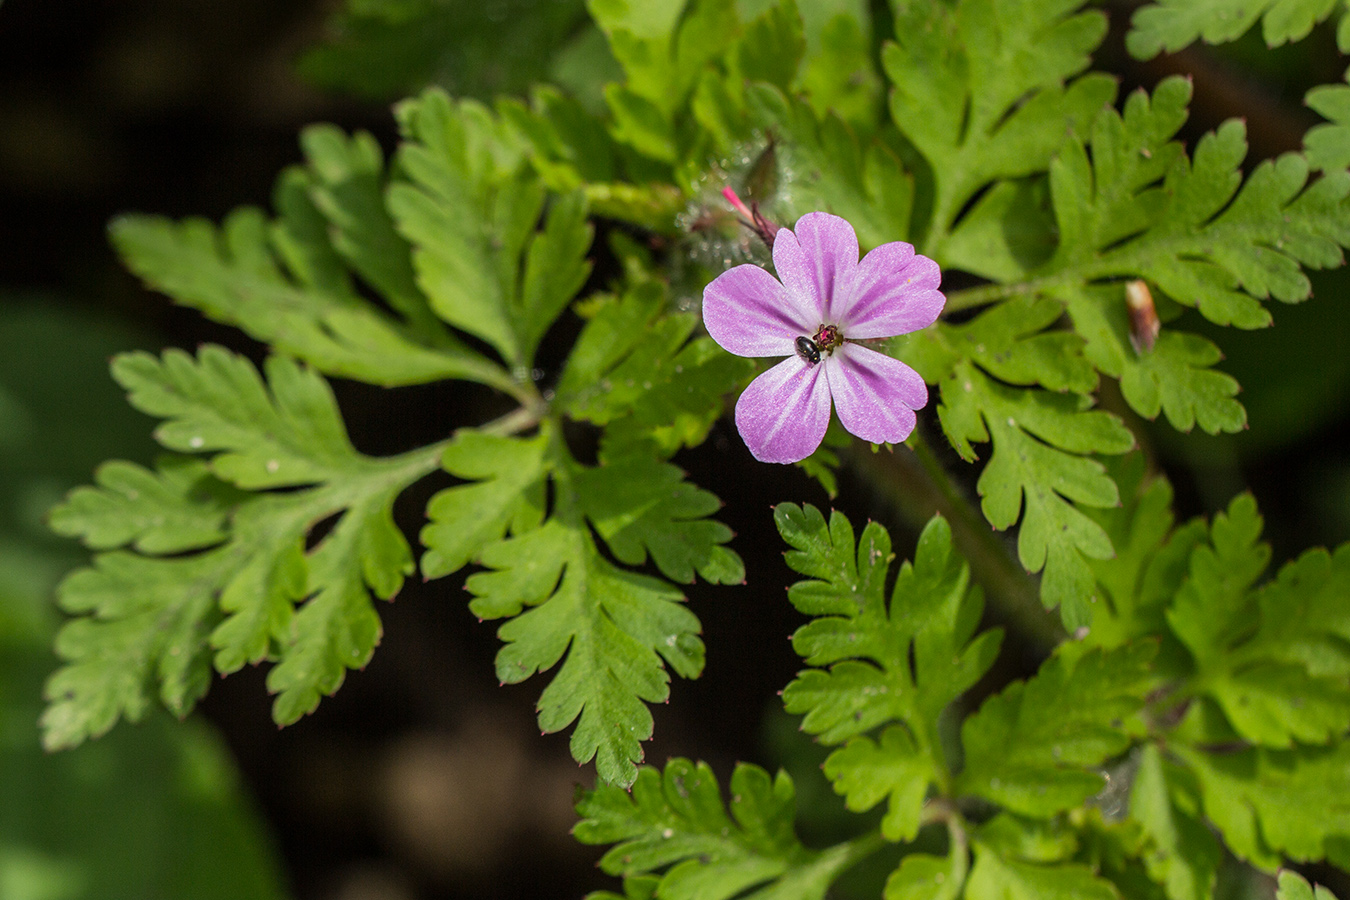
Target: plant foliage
1194, 704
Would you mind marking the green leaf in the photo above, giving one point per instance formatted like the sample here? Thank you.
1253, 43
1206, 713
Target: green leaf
288, 282
384, 51
1327, 146
1275, 804
1203, 237
1293, 886
996, 877
980, 90
1040, 441
1169, 25
506, 493
1184, 855
1275, 660
838, 74
641, 506
148, 618
921, 876
1173, 377
1032, 747
616, 629
634, 370
1009, 341
831, 169
1151, 559
346, 181
904, 664
179, 507
470, 209
676, 821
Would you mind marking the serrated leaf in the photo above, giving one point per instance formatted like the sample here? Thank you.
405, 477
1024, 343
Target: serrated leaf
831, 169
470, 209
1293, 886
1275, 804
1151, 558
1275, 660
1040, 441
676, 821
152, 619
507, 493
640, 506
1167, 26
383, 51
892, 769
613, 631
921, 876
980, 90
994, 877
904, 664
346, 182
284, 283
1327, 146
147, 627
179, 506
634, 370
1204, 237
1010, 342
1173, 377
1032, 747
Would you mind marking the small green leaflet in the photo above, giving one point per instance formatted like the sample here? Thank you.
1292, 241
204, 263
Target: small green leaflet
635, 371
1040, 439
674, 823
617, 629
1274, 659
1032, 747
470, 207
980, 90
1174, 377
903, 664
1151, 560
1275, 804
1202, 236
154, 613
287, 282
1293, 886
1169, 25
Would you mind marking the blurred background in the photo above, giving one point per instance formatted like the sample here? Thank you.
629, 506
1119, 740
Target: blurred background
423, 778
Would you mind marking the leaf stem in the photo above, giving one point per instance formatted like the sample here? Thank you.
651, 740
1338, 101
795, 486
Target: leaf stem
917, 485
969, 298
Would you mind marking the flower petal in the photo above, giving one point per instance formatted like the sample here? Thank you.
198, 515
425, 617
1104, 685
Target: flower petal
895, 292
817, 260
749, 313
875, 394
783, 414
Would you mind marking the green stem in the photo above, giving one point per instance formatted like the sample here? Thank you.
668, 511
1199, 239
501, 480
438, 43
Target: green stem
917, 485
992, 293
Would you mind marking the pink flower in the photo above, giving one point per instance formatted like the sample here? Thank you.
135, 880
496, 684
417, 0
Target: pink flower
826, 302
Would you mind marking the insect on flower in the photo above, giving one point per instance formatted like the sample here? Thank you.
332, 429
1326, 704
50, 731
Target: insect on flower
817, 312
807, 350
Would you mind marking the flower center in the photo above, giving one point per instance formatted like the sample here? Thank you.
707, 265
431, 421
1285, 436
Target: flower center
827, 338
823, 341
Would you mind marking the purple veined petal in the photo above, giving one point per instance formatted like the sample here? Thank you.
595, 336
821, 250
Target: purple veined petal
895, 292
749, 313
817, 260
875, 394
783, 414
